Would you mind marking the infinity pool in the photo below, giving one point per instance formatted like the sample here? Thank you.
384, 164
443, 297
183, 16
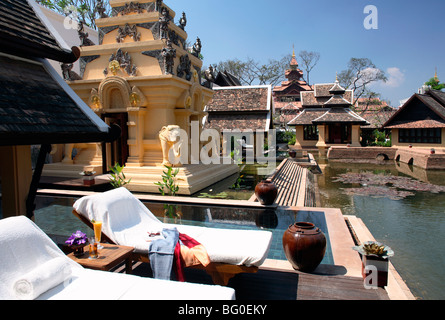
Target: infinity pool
54, 216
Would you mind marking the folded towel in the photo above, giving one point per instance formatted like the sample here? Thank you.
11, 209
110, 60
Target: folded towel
161, 253
42, 278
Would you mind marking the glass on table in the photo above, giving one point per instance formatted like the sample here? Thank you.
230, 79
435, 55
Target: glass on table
93, 254
98, 233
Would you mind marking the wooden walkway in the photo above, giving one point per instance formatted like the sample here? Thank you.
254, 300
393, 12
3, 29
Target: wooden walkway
291, 180
278, 285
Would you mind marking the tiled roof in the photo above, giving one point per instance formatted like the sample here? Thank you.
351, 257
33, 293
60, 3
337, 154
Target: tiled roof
337, 101
22, 33
240, 108
343, 115
34, 107
222, 122
375, 118
226, 79
307, 116
239, 99
322, 90
419, 124
297, 85
321, 95
430, 112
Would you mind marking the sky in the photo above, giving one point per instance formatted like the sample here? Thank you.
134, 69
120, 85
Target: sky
408, 44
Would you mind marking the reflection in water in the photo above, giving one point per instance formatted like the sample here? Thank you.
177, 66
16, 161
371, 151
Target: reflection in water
414, 226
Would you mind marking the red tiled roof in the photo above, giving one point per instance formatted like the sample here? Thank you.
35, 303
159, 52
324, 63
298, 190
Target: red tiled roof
419, 124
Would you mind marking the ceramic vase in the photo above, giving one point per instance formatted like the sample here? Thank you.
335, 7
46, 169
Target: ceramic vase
266, 192
304, 245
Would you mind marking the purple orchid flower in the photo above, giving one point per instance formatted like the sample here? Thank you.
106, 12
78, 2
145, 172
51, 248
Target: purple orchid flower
77, 238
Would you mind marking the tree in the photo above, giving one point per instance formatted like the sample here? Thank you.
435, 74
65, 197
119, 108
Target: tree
435, 84
309, 60
360, 73
251, 72
84, 10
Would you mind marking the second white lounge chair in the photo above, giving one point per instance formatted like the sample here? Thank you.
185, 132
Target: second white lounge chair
33, 267
127, 221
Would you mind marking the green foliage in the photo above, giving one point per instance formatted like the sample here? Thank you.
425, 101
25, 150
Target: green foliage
286, 136
86, 9
435, 84
168, 182
293, 140
380, 139
117, 176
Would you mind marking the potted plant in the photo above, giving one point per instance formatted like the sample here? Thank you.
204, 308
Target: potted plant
77, 242
375, 263
88, 177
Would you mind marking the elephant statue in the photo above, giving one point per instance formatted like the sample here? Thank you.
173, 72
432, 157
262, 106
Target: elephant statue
168, 136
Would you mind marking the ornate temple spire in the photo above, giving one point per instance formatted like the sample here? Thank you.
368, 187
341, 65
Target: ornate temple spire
293, 63
337, 89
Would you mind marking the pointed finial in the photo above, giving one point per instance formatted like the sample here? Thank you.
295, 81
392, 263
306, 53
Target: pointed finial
336, 76
293, 51
435, 75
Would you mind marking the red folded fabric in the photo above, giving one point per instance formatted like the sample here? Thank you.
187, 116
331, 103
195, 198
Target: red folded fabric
196, 256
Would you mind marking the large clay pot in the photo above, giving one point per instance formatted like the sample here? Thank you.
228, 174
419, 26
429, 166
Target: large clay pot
266, 192
304, 245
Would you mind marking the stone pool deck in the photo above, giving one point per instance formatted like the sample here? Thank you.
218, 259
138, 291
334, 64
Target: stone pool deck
344, 232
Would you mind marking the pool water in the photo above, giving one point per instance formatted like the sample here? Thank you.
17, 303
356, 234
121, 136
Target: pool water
54, 216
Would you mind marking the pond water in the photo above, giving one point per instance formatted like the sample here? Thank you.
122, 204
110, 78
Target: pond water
412, 225
238, 186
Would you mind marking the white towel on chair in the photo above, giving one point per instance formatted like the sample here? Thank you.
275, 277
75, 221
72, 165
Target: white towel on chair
42, 278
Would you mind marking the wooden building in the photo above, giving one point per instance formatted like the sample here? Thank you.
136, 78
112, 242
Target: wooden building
327, 118
420, 122
245, 107
286, 97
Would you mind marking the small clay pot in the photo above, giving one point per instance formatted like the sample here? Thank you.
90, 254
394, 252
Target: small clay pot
266, 192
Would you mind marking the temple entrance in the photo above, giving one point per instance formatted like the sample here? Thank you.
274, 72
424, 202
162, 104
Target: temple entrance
116, 151
339, 133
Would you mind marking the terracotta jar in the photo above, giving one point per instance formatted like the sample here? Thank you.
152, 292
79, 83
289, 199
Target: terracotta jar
304, 245
266, 192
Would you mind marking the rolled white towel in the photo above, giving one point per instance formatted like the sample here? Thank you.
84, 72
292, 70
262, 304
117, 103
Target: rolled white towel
42, 278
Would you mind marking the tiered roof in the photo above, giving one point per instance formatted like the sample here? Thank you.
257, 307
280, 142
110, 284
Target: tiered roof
327, 103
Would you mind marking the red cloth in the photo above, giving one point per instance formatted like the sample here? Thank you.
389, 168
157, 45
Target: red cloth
179, 262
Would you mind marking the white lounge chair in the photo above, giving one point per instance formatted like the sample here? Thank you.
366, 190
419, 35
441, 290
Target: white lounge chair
126, 221
32, 266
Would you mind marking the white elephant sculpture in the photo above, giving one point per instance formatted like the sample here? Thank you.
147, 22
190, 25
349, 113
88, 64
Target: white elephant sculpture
171, 148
